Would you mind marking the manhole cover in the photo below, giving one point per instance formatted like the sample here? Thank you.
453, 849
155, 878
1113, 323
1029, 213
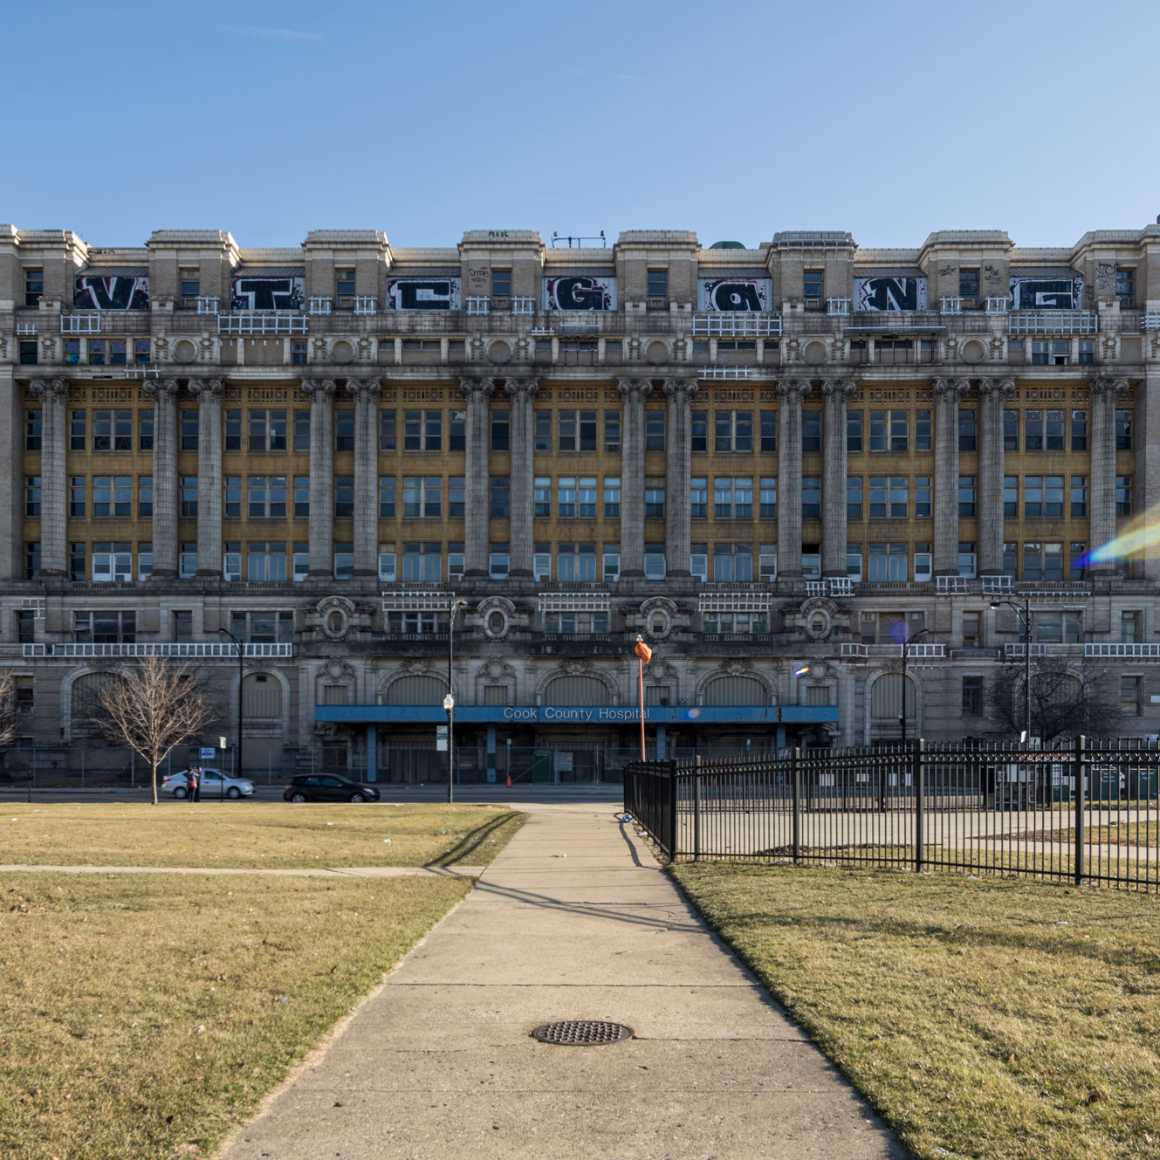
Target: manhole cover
581, 1033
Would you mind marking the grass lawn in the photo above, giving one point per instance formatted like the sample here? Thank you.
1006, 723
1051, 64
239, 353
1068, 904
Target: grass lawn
983, 1017
144, 1017
252, 834
1142, 833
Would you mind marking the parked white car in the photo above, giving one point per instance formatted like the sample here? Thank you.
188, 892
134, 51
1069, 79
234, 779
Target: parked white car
211, 785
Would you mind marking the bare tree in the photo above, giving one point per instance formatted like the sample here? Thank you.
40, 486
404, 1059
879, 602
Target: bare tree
1065, 699
153, 707
8, 727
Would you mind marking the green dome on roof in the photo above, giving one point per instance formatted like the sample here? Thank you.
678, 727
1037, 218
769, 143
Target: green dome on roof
727, 246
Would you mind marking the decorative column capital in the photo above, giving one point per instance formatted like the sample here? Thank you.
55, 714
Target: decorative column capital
792, 390
681, 390
207, 388
948, 390
364, 390
1105, 387
50, 390
475, 390
633, 390
318, 388
520, 389
997, 388
839, 389
161, 389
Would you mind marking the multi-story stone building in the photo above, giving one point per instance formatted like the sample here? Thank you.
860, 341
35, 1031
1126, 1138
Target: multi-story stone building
758, 458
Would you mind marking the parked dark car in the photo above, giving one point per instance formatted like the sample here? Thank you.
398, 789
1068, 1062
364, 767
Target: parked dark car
328, 787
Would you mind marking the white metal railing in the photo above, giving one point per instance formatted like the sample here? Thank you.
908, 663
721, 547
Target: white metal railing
27, 328
577, 321
88, 323
1141, 652
951, 584
523, 305
950, 306
262, 322
737, 323
477, 305
1063, 322
928, 650
733, 602
418, 601
993, 585
366, 304
1001, 305
1150, 321
1043, 650
207, 305
725, 372
574, 602
840, 585
854, 649
319, 305
201, 650
837, 305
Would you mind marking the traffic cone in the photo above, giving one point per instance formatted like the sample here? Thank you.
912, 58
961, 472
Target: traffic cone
509, 779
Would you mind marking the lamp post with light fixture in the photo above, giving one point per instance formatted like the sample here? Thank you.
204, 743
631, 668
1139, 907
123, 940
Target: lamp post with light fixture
1023, 611
643, 654
449, 699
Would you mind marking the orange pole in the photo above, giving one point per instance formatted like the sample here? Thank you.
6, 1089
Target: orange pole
640, 663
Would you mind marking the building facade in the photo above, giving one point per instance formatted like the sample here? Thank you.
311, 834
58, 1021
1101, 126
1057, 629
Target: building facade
763, 460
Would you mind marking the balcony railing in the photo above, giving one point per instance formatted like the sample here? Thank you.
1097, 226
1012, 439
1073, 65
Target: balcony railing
207, 305
1001, 305
928, 650
263, 322
191, 650
1150, 321
88, 323
477, 305
737, 324
1059, 322
1126, 649
366, 304
319, 305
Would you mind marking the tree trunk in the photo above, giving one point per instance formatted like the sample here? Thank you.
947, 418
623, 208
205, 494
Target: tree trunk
153, 773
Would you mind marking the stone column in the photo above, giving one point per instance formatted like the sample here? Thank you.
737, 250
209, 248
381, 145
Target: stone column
475, 508
53, 395
1104, 393
633, 392
946, 476
164, 478
209, 475
366, 473
321, 392
837, 392
679, 451
523, 443
992, 393
789, 478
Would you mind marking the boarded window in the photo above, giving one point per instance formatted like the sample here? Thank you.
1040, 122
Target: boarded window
416, 690
336, 695
886, 698
734, 690
819, 695
496, 695
262, 697
658, 694
86, 699
576, 690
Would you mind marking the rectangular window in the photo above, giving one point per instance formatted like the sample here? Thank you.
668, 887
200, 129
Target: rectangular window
1010, 429
699, 562
232, 490
145, 429
611, 431
698, 498
187, 486
456, 561
968, 430
1131, 626
501, 427
887, 562
767, 563
28, 352
1033, 430
1123, 495
386, 497
811, 431
922, 430
274, 496
1126, 287
457, 431
854, 431
344, 282
611, 497
32, 497
188, 430
105, 627
654, 561
972, 697
343, 495
501, 283
733, 431
302, 496
145, 496
922, 564
1079, 430
654, 431
189, 281
566, 497
422, 497
499, 562
76, 562
1033, 496
853, 497
78, 486
423, 430
658, 284
187, 562
387, 574
456, 497
112, 563
1053, 496
970, 628
1010, 497
301, 430
889, 430
386, 430
266, 561
969, 283
811, 497
769, 431
298, 352
767, 497
814, 288
967, 566
543, 423
542, 497
699, 431
77, 424
1123, 429
343, 561
542, 562
922, 499
1079, 508
33, 285
344, 429
33, 430
888, 497
1054, 431
1130, 700
499, 497
966, 495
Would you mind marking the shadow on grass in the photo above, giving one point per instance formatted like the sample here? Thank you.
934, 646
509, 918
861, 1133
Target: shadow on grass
471, 842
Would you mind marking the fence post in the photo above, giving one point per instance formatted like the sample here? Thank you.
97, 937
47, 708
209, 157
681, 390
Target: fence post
796, 779
1080, 795
918, 777
697, 813
672, 827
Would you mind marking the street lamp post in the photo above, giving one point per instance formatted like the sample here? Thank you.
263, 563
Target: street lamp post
449, 700
241, 681
643, 654
1023, 610
906, 643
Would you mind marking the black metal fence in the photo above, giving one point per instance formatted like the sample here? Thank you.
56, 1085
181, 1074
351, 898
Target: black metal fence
1086, 811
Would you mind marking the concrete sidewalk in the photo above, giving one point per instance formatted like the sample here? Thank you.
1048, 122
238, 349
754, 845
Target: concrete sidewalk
574, 920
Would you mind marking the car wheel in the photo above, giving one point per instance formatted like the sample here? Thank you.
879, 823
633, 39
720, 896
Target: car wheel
181, 792
233, 792
297, 797
357, 797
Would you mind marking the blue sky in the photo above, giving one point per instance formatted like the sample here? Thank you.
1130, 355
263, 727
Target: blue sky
888, 118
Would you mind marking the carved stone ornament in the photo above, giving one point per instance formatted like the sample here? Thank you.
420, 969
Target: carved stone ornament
816, 617
657, 615
335, 614
336, 669
496, 614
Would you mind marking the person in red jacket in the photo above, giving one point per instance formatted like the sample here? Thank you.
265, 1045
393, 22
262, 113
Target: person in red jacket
193, 784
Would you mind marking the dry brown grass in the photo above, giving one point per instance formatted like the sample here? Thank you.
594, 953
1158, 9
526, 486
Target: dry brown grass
984, 1018
1115, 834
252, 834
141, 1018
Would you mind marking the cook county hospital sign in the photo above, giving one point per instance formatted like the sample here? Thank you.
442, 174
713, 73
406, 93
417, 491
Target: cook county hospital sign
577, 714
561, 713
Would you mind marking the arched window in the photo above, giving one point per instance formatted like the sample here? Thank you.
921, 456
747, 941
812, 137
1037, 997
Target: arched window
262, 697
886, 698
734, 689
576, 689
416, 690
86, 700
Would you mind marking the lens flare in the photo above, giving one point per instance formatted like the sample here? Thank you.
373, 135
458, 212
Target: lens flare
1139, 538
